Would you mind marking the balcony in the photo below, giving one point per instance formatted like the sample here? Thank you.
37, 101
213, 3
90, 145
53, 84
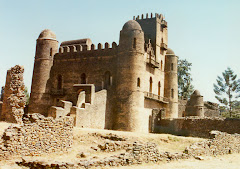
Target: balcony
57, 92
164, 23
152, 62
158, 98
163, 46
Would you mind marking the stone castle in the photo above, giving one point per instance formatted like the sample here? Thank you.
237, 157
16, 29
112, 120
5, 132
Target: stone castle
113, 87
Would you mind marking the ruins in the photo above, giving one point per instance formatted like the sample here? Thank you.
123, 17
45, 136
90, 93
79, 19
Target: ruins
14, 96
130, 86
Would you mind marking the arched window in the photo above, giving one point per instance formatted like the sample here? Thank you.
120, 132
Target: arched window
134, 43
161, 64
172, 93
138, 82
83, 79
59, 82
51, 52
150, 85
159, 88
171, 66
107, 79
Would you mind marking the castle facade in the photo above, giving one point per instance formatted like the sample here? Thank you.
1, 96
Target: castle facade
138, 75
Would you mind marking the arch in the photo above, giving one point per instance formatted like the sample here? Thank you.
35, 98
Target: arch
83, 78
59, 82
159, 88
107, 79
134, 43
138, 82
150, 85
172, 93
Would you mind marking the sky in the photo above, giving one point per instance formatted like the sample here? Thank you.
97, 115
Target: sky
205, 32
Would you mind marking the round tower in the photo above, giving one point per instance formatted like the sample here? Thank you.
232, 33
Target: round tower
171, 83
195, 105
46, 47
129, 96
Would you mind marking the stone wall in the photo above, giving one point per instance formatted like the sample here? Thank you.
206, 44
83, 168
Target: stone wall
181, 107
36, 136
197, 127
222, 143
91, 115
14, 96
134, 153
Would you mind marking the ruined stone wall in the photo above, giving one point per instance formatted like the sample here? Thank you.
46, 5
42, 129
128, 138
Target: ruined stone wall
14, 96
36, 136
135, 153
222, 143
197, 127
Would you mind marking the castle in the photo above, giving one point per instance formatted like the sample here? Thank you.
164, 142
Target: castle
121, 84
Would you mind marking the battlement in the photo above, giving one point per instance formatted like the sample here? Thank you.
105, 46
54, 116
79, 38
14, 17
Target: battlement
148, 16
157, 16
83, 48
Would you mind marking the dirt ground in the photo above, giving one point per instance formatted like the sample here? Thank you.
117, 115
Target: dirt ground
85, 138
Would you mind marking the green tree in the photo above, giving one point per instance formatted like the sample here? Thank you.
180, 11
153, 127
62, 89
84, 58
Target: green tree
226, 89
185, 87
26, 95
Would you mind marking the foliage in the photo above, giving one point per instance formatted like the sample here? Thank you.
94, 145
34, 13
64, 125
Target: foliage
185, 87
227, 90
26, 95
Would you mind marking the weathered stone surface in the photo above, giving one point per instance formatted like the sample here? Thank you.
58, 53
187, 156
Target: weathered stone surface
14, 96
37, 135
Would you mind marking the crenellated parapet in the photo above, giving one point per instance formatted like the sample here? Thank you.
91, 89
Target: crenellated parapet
77, 50
157, 16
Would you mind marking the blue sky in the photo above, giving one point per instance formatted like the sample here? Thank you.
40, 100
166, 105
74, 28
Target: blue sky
206, 32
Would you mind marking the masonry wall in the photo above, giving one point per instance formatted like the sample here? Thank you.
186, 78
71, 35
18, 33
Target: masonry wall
37, 135
93, 116
197, 127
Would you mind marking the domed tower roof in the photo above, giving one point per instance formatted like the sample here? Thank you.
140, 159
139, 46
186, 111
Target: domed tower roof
170, 52
47, 34
131, 25
197, 93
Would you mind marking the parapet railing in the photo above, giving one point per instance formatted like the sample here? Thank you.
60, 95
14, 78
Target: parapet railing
155, 97
152, 62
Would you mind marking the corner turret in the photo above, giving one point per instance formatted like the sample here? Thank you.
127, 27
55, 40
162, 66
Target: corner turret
171, 83
131, 68
46, 47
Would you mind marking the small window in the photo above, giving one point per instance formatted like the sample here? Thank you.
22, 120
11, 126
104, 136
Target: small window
107, 79
161, 64
83, 79
159, 88
59, 82
150, 85
134, 43
51, 52
172, 93
138, 82
171, 66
